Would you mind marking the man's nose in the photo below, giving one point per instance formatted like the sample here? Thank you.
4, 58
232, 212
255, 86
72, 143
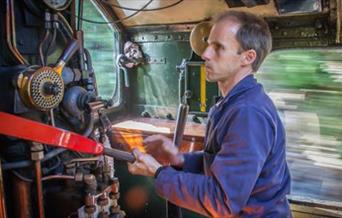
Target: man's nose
206, 55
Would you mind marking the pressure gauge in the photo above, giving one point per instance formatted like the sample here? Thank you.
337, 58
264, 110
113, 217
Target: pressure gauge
57, 5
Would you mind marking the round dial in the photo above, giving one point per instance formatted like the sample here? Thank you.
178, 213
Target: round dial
57, 5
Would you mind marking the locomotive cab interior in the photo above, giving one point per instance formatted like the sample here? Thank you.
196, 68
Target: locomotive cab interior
109, 73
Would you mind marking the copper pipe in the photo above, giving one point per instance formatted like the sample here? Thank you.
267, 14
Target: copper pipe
21, 197
14, 41
58, 177
2, 196
40, 48
65, 22
39, 186
10, 32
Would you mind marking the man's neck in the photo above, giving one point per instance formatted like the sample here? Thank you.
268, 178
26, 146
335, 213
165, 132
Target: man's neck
225, 86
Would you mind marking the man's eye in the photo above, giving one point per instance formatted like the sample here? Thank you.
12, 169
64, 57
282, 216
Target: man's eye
218, 48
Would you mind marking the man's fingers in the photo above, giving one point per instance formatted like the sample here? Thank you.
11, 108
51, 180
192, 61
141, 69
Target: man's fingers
131, 168
145, 164
150, 148
135, 168
153, 139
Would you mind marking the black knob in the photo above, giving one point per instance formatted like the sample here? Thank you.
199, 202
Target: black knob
51, 89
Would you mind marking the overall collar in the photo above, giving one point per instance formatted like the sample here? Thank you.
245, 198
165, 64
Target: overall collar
243, 85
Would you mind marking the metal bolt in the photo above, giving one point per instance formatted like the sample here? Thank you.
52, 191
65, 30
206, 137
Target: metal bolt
115, 186
90, 209
90, 200
103, 200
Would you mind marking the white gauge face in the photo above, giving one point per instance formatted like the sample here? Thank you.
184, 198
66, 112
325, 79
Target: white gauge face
57, 4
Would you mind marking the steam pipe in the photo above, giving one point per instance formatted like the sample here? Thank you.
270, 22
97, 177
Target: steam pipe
39, 186
64, 23
53, 177
10, 33
80, 39
27, 163
90, 127
51, 43
92, 75
37, 155
2, 196
14, 41
40, 48
80, 14
21, 195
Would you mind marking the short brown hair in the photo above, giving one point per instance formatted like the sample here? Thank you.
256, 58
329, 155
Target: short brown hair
253, 33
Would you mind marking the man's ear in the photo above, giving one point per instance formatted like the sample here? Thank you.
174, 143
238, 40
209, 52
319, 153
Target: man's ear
248, 57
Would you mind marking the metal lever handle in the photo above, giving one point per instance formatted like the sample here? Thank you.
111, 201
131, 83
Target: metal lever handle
119, 154
66, 55
69, 51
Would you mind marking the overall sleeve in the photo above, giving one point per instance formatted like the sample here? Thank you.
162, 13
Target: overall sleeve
246, 142
193, 162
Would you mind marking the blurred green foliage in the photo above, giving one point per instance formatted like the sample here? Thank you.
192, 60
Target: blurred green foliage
306, 88
317, 75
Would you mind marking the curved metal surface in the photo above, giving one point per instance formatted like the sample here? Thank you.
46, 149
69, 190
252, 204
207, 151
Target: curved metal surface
34, 131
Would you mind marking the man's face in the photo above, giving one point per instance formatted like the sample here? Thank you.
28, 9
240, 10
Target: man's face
222, 59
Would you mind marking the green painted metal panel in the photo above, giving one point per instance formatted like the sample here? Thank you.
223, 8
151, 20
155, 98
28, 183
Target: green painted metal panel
155, 84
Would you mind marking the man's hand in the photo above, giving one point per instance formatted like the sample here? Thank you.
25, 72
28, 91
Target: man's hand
144, 165
162, 149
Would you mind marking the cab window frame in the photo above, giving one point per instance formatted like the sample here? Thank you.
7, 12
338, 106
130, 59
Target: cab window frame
117, 35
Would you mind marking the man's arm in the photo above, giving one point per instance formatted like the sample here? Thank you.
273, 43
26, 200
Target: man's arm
246, 144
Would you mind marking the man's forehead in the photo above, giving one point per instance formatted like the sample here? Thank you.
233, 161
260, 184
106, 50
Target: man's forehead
223, 29
227, 25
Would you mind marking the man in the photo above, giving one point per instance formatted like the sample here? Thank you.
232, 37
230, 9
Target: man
242, 171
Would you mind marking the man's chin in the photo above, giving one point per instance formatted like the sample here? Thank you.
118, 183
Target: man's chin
209, 78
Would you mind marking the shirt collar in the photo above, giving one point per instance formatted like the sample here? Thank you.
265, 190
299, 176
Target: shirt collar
243, 85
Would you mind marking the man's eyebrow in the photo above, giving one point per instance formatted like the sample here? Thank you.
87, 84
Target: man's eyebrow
216, 43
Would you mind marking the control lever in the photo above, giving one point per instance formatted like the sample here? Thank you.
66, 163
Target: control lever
26, 129
119, 154
172, 210
68, 52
